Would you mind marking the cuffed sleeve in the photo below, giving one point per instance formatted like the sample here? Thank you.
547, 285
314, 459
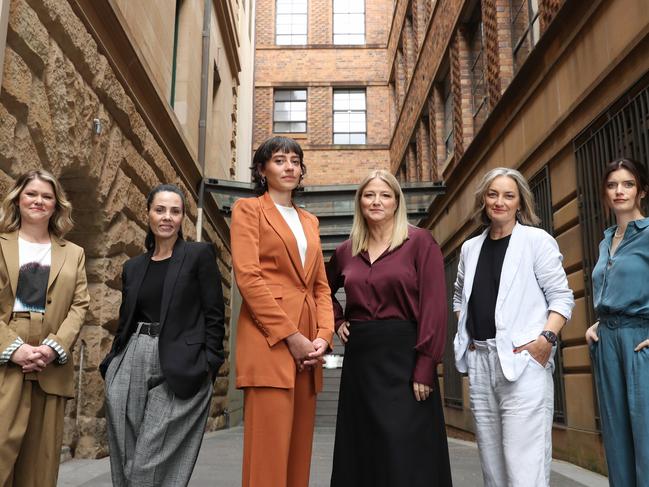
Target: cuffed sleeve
431, 323
548, 268
5, 356
61, 355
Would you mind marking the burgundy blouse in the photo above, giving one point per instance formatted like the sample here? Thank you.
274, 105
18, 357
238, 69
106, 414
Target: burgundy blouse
405, 284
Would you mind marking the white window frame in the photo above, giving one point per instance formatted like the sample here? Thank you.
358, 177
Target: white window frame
291, 22
293, 112
349, 22
351, 114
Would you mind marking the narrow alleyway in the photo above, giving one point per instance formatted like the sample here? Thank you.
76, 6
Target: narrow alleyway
219, 465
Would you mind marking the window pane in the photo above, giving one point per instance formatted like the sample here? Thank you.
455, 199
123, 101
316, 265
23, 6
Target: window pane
341, 138
298, 116
298, 95
282, 127
298, 127
356, 23
299, 40
281, 95
357, 138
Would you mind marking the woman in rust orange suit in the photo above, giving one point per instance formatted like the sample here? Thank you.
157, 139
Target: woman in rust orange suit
286, 320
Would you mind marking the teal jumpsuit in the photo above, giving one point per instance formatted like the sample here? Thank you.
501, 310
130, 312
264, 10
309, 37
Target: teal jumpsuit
621, 299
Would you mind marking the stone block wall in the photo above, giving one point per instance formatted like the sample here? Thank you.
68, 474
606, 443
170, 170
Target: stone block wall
55, 83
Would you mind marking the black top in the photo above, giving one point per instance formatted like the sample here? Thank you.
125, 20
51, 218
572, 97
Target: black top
191, 316
481, 323
149, 299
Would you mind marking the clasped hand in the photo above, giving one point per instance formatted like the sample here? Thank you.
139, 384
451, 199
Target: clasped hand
305, 352
33, 359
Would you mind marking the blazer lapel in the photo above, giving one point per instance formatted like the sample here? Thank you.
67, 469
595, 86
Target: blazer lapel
471, 264
312, 239
9, 243
175, 265
276, 220
58, 259
511, 263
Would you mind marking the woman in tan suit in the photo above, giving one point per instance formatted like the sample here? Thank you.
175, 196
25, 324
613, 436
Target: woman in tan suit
43, 302
286, 320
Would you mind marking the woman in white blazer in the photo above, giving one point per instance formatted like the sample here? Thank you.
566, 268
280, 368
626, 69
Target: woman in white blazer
512, 299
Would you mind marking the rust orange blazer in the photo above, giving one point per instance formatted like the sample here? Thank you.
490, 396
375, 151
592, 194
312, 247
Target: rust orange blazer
277, 292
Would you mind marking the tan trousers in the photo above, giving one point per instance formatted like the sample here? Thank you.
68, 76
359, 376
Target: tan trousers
278, 434
31, 425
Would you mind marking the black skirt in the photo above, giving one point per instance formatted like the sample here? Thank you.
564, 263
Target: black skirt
384, 437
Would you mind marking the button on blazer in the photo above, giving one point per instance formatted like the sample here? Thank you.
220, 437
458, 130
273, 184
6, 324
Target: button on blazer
65, 307
277, 290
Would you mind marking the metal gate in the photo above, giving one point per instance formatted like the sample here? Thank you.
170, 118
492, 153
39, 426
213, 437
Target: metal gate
540, 186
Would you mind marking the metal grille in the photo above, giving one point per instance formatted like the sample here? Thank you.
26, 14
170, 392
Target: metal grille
540, 186
452, 378
622, 131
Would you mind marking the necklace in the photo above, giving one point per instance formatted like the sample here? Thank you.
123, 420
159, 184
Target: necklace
618, 236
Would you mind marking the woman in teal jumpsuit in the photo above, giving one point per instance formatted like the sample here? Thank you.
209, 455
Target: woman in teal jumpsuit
619, 341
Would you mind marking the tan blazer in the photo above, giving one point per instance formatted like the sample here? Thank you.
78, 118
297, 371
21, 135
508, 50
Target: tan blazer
277, 292
65, 309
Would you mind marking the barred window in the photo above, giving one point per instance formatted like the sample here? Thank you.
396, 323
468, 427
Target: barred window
291, 22
289, 111
349, 21
349, 117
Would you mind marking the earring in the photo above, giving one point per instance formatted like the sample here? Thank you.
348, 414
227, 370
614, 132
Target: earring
263, 180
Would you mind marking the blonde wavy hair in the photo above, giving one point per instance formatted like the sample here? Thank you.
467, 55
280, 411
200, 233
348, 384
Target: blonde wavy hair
526, 215
360, 235
60, 221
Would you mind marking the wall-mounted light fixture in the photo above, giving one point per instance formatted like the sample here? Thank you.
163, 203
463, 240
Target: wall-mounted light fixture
96, 126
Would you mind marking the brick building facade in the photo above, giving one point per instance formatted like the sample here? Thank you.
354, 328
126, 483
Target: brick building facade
321, 67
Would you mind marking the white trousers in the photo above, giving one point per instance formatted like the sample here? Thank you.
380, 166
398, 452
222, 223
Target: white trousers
513, 420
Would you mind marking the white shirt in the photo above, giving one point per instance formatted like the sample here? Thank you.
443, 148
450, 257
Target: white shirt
293, 221
34, 260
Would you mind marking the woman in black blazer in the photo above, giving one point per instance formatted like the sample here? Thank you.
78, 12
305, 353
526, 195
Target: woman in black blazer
166, 353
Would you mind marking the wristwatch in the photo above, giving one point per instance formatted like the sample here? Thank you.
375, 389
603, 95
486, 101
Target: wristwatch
550, 336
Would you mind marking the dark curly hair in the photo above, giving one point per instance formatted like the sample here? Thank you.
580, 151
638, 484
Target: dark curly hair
265, 152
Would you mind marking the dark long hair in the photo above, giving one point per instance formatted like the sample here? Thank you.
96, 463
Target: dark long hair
265, 152
639, 172
149, 241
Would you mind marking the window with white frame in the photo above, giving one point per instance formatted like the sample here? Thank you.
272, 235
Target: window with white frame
291, 22
349, 117
289, 111
349, 21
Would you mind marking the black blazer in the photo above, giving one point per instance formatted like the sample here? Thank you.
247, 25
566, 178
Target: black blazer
192, 316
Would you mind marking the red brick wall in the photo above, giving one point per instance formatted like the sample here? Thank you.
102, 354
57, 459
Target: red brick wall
320, 67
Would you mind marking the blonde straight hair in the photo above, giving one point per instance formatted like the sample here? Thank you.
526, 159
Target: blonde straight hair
526, 215
60, 221
360, 235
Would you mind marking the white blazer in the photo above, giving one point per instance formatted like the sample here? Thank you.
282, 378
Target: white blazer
532, 284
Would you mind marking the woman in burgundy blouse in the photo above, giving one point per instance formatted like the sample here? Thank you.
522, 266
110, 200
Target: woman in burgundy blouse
390, 426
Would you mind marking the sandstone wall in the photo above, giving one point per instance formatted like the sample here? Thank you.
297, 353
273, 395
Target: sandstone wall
55, 83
